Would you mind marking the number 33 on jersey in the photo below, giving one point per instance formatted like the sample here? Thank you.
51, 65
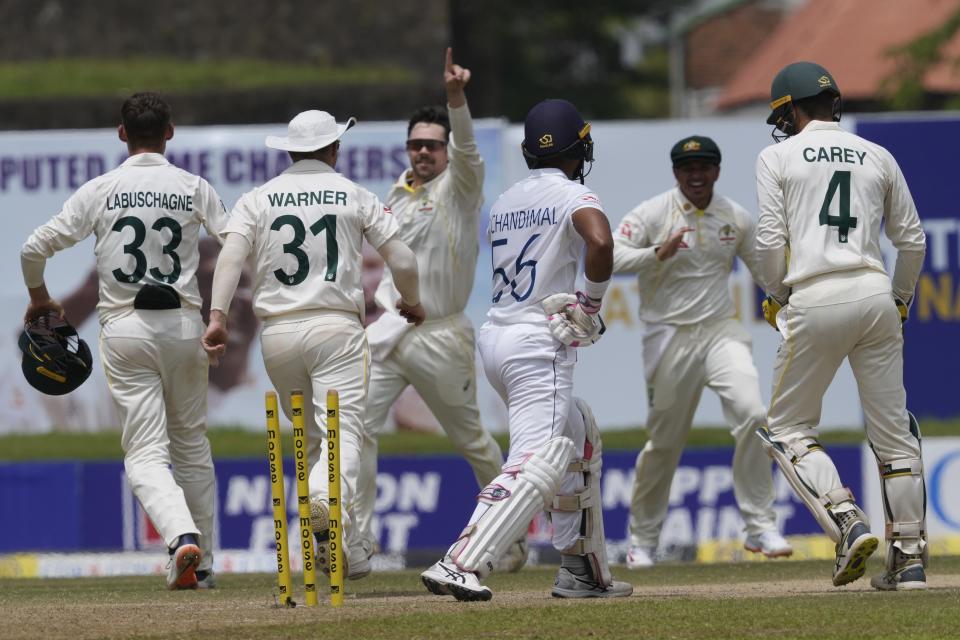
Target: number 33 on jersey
307, 228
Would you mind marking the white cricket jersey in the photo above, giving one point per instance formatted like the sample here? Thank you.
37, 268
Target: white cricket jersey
693, 285
306, 227
535, 248
146, 215
439, 221
823, 194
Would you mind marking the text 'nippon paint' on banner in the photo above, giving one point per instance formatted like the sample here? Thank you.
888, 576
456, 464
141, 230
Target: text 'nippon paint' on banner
414, 509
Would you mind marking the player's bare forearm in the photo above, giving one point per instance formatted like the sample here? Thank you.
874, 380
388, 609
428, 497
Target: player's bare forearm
594, 228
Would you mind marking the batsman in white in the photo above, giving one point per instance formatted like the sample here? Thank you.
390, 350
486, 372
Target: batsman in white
682, 244
538, 229
146, 215
305, 230
437, 205
824, 194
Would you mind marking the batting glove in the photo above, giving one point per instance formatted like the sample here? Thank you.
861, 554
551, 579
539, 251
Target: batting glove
570, 322
771, 308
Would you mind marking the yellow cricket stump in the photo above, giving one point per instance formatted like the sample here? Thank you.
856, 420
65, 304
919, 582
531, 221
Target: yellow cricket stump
333, 476
275, 458
303, 496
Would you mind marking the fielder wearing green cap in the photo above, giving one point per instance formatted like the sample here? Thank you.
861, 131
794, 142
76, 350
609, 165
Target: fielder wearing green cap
681, 247
823, 193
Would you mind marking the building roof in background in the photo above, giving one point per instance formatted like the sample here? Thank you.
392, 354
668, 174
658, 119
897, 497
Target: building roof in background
852, 39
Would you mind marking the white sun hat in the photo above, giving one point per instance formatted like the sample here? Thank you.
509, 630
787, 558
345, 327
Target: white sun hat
309, 131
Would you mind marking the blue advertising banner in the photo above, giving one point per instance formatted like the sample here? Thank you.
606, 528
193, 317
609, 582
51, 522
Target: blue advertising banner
931, 366
422, 503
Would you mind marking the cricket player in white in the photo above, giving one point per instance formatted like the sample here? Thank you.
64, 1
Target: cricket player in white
681, 244
146, 215
305, 230
824, 194
538, 230
437, 205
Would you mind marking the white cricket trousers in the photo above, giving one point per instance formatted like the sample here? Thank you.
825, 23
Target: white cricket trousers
533, 374
815, 342
157, 374
717, 355
316, 352
437, 358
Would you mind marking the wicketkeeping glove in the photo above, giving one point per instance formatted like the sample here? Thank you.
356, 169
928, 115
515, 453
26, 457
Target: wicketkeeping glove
771, 308
571, 321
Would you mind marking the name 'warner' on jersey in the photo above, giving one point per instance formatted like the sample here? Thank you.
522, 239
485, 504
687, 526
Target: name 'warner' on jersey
306, 227
536, 250
146, 215
824, 192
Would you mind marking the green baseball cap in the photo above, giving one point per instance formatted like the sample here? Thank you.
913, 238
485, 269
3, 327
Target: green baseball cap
695, 147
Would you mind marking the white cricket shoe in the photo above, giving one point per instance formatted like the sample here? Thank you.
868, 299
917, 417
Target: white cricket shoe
639, 557
907, 574
446, 579
206, 579
320, 523
769, 543
182, 567
515, 557
356, 561
568, 585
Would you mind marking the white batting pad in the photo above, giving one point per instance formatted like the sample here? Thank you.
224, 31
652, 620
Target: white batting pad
513, 498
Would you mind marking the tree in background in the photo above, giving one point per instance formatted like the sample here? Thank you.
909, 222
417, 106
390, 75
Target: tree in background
525, 52
904, 87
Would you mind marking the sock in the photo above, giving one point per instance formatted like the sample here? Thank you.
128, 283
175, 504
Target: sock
577, 565
187, 538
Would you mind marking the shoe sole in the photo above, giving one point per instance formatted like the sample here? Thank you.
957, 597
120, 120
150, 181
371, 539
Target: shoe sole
572, 594
863, 547
460, 593
188, 559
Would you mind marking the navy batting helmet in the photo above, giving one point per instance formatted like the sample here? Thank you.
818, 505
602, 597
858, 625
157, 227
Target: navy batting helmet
554, 128
55, 360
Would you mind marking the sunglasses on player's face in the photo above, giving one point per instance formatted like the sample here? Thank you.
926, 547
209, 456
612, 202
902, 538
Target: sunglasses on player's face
431, 145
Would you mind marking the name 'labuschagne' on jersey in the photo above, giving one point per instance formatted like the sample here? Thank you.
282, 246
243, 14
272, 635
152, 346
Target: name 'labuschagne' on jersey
833, 154
150, 199
523, 218
307, 198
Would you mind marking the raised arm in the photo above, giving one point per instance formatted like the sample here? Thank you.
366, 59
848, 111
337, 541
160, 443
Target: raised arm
466, 165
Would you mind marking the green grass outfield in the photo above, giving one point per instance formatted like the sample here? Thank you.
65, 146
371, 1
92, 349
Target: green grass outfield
240, 443
774, 599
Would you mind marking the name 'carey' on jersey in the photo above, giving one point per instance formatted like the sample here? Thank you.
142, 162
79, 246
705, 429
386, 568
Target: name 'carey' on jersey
307, 198
523, 218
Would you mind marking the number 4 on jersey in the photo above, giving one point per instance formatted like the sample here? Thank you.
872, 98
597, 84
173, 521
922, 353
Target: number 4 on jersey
840, 180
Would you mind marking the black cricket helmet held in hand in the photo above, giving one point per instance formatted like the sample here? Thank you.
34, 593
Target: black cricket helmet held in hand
55, 360
795, 82
554, 128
